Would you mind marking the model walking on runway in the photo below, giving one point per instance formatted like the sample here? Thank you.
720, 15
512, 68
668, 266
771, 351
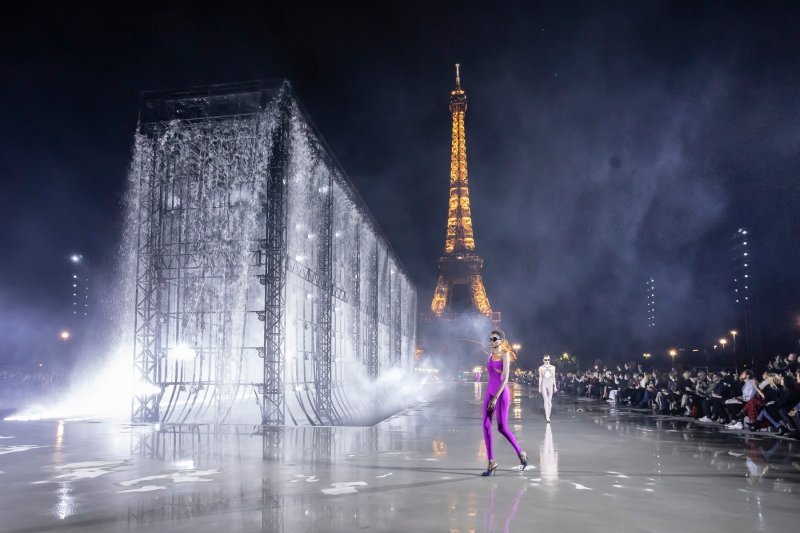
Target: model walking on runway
547, 385
498, 398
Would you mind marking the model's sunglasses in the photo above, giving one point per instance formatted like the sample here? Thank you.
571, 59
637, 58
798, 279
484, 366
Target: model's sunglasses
494, 339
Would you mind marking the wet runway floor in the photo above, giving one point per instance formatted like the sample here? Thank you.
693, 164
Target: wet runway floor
595, 469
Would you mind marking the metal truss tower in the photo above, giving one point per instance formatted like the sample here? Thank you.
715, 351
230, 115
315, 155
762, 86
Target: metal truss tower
270, 393
259, 270
460, 265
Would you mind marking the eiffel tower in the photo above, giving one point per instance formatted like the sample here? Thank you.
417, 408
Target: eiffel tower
460, 267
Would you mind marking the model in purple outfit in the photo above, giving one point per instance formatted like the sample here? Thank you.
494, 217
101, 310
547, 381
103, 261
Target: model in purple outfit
498, 398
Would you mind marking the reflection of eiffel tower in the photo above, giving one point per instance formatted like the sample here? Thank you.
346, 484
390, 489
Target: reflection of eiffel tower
460, 265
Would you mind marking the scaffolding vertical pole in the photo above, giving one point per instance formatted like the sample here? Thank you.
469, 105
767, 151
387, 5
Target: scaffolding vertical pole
146, 398
374, 309
323, 360
356, 295
389, 316
397, 322
411, 329
272, 401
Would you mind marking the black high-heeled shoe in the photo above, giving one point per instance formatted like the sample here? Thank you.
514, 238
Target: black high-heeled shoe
491, 470
523, 460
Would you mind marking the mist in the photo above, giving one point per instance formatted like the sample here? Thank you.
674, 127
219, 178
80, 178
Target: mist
607, 144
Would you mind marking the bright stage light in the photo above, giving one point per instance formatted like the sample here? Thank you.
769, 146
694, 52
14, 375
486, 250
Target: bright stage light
142, 388
183, 352
105, 393
64, 335
75, 258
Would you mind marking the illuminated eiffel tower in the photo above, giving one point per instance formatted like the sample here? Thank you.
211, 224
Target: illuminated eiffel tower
460, 265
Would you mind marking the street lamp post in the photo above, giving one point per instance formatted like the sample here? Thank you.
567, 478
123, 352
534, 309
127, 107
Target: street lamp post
673, 353
723, 342
735, 362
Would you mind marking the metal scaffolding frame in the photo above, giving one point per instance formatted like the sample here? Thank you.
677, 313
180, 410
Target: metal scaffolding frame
270, 392
372, 318
324, 337
198, 241
355, 272
145, 406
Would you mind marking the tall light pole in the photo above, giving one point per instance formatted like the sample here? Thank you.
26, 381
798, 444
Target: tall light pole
733, 333
723, 342
673, 353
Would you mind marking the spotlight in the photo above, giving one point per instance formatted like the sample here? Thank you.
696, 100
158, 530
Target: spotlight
183, 352
65, 335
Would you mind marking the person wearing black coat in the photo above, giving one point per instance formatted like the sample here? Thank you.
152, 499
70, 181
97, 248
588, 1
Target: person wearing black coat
787, 401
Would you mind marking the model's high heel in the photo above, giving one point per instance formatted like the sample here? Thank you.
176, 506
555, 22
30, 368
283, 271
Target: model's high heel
491, 470
548, 420
523, 460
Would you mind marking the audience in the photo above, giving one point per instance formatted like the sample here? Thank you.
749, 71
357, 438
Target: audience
738, 402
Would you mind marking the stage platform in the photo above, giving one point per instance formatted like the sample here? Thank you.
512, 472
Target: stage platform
595, 468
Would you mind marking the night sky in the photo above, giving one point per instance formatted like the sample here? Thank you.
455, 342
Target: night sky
606, 144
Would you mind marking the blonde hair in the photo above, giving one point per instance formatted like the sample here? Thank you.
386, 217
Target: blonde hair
506, 347
772, 379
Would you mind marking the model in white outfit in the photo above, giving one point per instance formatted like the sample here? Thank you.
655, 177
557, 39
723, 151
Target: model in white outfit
547, 385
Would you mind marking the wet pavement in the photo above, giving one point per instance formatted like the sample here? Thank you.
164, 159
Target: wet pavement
595, 468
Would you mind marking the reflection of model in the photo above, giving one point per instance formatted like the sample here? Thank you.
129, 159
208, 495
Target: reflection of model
498, 398
488, 521
547, 385
548, 458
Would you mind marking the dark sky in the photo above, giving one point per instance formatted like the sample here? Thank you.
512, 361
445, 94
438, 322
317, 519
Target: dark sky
607, 144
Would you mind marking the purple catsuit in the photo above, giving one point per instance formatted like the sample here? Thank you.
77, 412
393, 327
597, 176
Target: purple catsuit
495, 369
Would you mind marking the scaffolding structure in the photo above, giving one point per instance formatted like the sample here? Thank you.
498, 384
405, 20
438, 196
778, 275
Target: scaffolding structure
260, 273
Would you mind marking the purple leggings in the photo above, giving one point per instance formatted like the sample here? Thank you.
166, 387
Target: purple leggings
501, 407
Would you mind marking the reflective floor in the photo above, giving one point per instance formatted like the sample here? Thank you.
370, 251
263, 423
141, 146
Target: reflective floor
594, 469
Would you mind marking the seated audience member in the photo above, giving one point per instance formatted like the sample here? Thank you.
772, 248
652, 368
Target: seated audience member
768, 392
734, 406
702, 394
720, 391
793, 422
788, 400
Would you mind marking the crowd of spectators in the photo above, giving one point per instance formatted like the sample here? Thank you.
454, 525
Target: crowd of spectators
768, 401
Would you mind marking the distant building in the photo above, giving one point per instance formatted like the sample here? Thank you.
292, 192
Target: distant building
650, 292
79, 287
742, 265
